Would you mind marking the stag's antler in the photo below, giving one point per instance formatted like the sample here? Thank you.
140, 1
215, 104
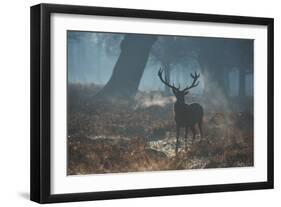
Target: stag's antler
165, 81
195, 77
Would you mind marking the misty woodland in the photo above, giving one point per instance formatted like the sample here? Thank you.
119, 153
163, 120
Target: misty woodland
140, 102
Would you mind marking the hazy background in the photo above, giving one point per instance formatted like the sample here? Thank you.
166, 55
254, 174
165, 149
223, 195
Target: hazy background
92, 56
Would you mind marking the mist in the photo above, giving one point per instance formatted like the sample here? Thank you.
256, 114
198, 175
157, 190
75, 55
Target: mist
225, 65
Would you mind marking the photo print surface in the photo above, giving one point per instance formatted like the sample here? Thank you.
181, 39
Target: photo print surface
140, 102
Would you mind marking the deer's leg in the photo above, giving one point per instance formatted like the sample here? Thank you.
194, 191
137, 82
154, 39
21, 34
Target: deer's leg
177, 141
193, 132
185, 138
200, 129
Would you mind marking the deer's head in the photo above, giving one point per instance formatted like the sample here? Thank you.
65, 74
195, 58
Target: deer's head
179, 93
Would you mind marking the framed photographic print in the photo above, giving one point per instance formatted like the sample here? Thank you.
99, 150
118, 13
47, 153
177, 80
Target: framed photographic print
132, 103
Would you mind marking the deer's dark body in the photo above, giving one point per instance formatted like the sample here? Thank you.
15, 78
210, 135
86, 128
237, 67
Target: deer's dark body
186, 116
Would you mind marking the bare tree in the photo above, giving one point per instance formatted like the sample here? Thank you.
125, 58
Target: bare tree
129, 67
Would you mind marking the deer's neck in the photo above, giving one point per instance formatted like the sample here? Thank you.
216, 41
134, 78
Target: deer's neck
180, 107
180, 102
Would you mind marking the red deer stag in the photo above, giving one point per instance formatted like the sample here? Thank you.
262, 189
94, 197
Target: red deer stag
186, 115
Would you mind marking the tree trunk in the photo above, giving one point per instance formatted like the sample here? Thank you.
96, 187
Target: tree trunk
215, 79
128, 70
226, 82
241, 83
215, 89
167, 71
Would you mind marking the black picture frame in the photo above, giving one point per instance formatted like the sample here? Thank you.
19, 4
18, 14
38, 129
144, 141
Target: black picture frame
41, 99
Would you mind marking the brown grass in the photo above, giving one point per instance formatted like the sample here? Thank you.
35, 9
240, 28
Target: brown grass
111, 139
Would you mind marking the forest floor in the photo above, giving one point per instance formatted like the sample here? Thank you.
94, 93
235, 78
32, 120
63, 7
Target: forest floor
141, 137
